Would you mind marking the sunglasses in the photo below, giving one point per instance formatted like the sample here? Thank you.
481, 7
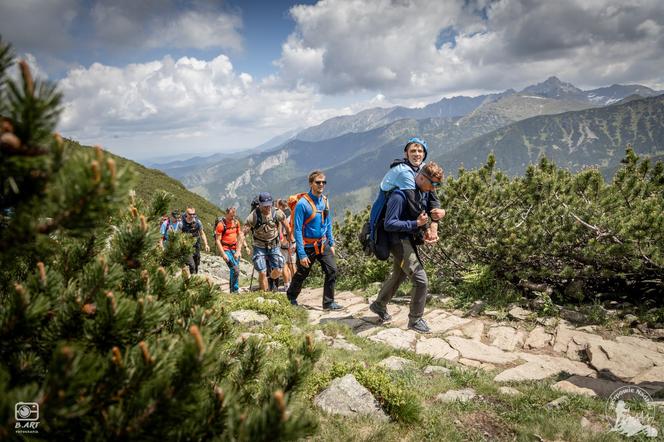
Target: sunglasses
320, 182
433, 183
191, 214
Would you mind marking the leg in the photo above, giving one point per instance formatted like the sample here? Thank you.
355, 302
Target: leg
412, 266
197, 261
276, 265
261, 266
191, 264
298, 279
234, 276
395, 279
329, 265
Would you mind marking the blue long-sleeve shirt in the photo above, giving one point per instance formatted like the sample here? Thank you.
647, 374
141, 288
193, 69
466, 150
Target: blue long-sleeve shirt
394, 214
314, 228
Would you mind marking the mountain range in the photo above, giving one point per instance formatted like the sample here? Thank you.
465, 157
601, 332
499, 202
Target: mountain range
575, 128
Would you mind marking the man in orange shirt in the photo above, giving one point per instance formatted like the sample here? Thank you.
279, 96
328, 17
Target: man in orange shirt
229, 239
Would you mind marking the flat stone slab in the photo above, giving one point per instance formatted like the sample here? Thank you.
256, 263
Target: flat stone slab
473, 330
541, 367
506, 338
396, 363
436, 348
570, 388
589, 386
640, 342
464, 395
538, 338
470, 349
443, 323
347, 397
248, 317
396, 338
572, 342
621, 361
520, 313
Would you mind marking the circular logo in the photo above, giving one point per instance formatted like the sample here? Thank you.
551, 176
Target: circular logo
23, 411
630, 411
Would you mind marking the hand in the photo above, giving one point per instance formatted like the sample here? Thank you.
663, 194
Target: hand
430, 236
304, 262
207, 248
437, 214
422, 219
332, 250
237, 255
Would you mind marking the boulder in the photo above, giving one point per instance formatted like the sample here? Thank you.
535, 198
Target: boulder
568, 387
347, 397
620, 361
509, 391
557, 403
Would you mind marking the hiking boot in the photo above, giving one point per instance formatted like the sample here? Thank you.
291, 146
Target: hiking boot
383, 315
332, 306
292, 301
419, 326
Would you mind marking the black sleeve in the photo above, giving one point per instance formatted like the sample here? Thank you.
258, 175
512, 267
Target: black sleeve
432, 201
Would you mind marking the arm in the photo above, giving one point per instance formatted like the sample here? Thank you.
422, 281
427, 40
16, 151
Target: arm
205, 241
297, 230
240, 242
392, 221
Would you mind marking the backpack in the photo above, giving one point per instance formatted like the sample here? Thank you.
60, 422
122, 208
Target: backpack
168, 226
373, 237
219, 219
292, 202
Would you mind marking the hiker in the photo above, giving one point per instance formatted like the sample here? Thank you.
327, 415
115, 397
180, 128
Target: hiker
314, 241
168, 226
287, 245
264, 221
229, 239
194, 227
404, 223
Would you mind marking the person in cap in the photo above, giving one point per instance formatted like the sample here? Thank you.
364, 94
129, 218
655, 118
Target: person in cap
314, 241
193, 226
264, 223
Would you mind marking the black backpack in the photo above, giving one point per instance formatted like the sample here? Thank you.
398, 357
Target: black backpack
219, 219
255, 207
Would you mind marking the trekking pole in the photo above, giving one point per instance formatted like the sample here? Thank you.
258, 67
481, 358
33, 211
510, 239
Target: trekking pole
251, 281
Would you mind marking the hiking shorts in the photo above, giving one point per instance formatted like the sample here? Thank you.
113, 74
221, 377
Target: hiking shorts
262, 254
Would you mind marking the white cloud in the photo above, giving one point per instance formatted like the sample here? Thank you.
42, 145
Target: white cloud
171, 98
393, 46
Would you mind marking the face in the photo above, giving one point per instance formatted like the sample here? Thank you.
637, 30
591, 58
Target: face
415, 154
230, 214
190, 214
265, 210
318, 184
427, 183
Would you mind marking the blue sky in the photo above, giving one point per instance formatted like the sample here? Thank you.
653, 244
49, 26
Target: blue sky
155, 78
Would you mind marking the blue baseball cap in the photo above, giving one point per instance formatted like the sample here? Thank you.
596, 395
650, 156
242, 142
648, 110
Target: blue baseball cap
264, 199
421, 142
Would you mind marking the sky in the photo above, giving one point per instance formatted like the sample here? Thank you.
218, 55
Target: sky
157, 78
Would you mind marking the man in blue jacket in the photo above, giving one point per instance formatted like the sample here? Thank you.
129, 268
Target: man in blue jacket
405, 221
314, 241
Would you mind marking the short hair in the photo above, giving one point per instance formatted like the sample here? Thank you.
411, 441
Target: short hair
314, 174
433, 171
233, 208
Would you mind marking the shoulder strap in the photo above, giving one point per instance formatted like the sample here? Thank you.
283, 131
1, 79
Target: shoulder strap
314, 210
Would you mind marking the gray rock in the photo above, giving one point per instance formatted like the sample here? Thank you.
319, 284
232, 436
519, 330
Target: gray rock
395, 363
480, 352
248, 317
538, 338
396, 338
557, 403
573, 316
509, 391
476, 308
464, 395
436, 348
507, 338
539, 367
621, 361
347, 397
445, 322
569, 387
520, 313
432, 370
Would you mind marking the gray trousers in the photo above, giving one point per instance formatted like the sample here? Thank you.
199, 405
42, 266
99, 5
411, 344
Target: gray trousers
405, 265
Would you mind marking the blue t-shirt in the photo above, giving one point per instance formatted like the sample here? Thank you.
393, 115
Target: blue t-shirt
401, 176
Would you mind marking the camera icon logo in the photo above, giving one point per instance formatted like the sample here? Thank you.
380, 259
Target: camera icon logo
26, 411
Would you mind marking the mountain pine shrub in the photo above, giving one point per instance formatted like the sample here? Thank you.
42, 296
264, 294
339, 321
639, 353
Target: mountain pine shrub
572, 235
98, 327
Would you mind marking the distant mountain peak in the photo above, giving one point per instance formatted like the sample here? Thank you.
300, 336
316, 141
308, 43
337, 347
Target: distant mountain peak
552, 87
